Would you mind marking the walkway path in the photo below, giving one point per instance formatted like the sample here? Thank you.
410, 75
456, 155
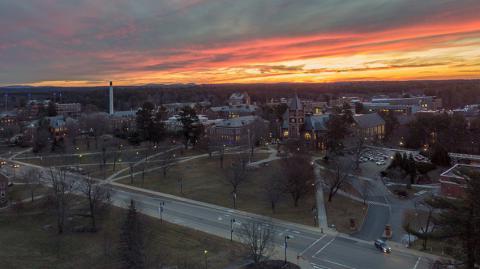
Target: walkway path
321, 210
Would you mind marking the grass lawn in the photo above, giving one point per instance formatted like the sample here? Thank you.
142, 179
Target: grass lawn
19, 192
204, 180
341, 209
27, 243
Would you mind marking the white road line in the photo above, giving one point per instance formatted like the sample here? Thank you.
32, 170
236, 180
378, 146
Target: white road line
339, 264
312, 244
416, 264
316, 266
326, 245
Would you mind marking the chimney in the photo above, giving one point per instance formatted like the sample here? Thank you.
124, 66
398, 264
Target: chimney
111, 99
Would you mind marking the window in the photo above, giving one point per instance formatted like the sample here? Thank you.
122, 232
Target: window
308, 136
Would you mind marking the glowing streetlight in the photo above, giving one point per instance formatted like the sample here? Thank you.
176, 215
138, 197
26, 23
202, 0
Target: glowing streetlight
205, 252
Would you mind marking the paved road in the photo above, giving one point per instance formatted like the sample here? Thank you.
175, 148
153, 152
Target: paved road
327, 251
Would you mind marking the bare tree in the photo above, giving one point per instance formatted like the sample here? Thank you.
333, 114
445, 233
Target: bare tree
421, 226
258, 238
274, 190
96, 124
168, 162
98, 197
255, 133
221, 154
32, 179
364, 187
237, 175
359, 149
299, 175
73, 128
61, 194
336, 177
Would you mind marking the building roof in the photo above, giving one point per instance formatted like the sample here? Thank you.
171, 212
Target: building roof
408, 100
8, 114
368, 120
316, 122
237, 122
295, 103
235, 109
459, 172
238, 95
126, 113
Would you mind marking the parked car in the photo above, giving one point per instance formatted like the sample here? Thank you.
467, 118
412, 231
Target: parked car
381, 245
380, 163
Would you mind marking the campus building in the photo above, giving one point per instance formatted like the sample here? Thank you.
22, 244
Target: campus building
239, 99
235, 131
453, 182
370, 126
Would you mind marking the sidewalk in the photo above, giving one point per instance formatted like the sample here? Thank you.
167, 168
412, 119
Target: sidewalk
321, 210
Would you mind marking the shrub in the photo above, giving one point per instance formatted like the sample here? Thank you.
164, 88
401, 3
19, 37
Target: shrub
424, 168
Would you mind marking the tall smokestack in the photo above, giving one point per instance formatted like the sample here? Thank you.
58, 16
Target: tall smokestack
111, 99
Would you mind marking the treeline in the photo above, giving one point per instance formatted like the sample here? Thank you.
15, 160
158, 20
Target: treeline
454, 93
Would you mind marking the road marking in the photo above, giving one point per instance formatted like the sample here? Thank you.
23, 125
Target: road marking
339, 264
311, 245
326, 245
416, 264
316, 266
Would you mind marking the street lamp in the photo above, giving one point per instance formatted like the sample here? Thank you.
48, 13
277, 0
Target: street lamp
234, 196
180, 184
14, 170
160, 210
205, 252
286, 239
232, 221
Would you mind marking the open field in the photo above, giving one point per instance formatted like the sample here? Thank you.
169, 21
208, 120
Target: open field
19, 192
28, 243
204, 180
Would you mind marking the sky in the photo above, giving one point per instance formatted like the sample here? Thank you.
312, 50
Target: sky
134, 42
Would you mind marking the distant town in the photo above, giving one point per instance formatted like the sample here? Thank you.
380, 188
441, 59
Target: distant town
242, 176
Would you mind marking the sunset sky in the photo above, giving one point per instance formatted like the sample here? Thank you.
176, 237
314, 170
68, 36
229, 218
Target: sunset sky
133, 42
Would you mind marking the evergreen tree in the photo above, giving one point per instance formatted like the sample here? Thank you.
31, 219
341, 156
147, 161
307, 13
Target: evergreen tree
131, 245
440, 156
337, 129
145, 120
411, 170
192, 128
51, 109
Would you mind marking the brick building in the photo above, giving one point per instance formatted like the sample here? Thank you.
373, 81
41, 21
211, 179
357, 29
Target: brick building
453, 182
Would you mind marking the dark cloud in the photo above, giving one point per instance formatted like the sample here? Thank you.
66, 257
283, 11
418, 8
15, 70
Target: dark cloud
91, 39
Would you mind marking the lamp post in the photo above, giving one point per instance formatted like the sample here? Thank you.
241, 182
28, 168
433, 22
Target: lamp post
286, 239
232, 221
234, 196
160, 210
205, 252
180, 184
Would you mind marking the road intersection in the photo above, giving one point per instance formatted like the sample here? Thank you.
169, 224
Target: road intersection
321, 249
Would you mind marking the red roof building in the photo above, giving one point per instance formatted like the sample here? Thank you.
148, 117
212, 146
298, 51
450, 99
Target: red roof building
453, 182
